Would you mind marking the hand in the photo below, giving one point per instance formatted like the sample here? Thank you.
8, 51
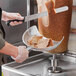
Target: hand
11, 16
22, 54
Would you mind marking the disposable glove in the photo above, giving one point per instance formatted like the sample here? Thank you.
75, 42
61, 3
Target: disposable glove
12, 16
22, 54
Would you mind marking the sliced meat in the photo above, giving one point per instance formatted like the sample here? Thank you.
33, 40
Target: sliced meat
43, 43
50, 6
34, 40
50, 42
39, 42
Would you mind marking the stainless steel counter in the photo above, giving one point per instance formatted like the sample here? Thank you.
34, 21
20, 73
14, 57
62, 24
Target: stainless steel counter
38, 66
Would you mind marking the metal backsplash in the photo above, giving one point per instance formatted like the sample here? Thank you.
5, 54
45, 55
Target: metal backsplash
72, 37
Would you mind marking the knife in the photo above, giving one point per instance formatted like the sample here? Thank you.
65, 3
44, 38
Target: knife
35, 16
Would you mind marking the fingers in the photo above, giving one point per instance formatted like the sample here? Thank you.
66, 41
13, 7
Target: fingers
15, 23
22, 54
14, 16
18, 16
21, 59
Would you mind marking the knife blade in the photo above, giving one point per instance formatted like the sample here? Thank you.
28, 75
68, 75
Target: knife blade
35, 16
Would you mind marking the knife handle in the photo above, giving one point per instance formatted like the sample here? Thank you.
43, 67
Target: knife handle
9, 21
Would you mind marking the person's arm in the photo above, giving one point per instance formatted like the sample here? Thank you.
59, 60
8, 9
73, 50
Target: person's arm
19, 54
9, 49
11, 16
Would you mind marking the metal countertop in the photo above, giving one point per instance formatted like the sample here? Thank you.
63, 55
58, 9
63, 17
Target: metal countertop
38, 66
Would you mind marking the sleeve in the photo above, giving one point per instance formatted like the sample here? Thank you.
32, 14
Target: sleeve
2, 41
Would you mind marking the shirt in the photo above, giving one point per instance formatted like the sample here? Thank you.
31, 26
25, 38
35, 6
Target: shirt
2, 41
2, 33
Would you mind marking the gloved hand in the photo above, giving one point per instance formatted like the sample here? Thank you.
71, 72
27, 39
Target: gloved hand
22, 54
11, 16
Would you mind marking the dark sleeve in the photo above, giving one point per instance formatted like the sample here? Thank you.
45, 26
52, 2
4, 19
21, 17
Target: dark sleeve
2, 41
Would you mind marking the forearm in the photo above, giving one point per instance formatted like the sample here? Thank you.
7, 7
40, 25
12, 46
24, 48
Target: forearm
9, 49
